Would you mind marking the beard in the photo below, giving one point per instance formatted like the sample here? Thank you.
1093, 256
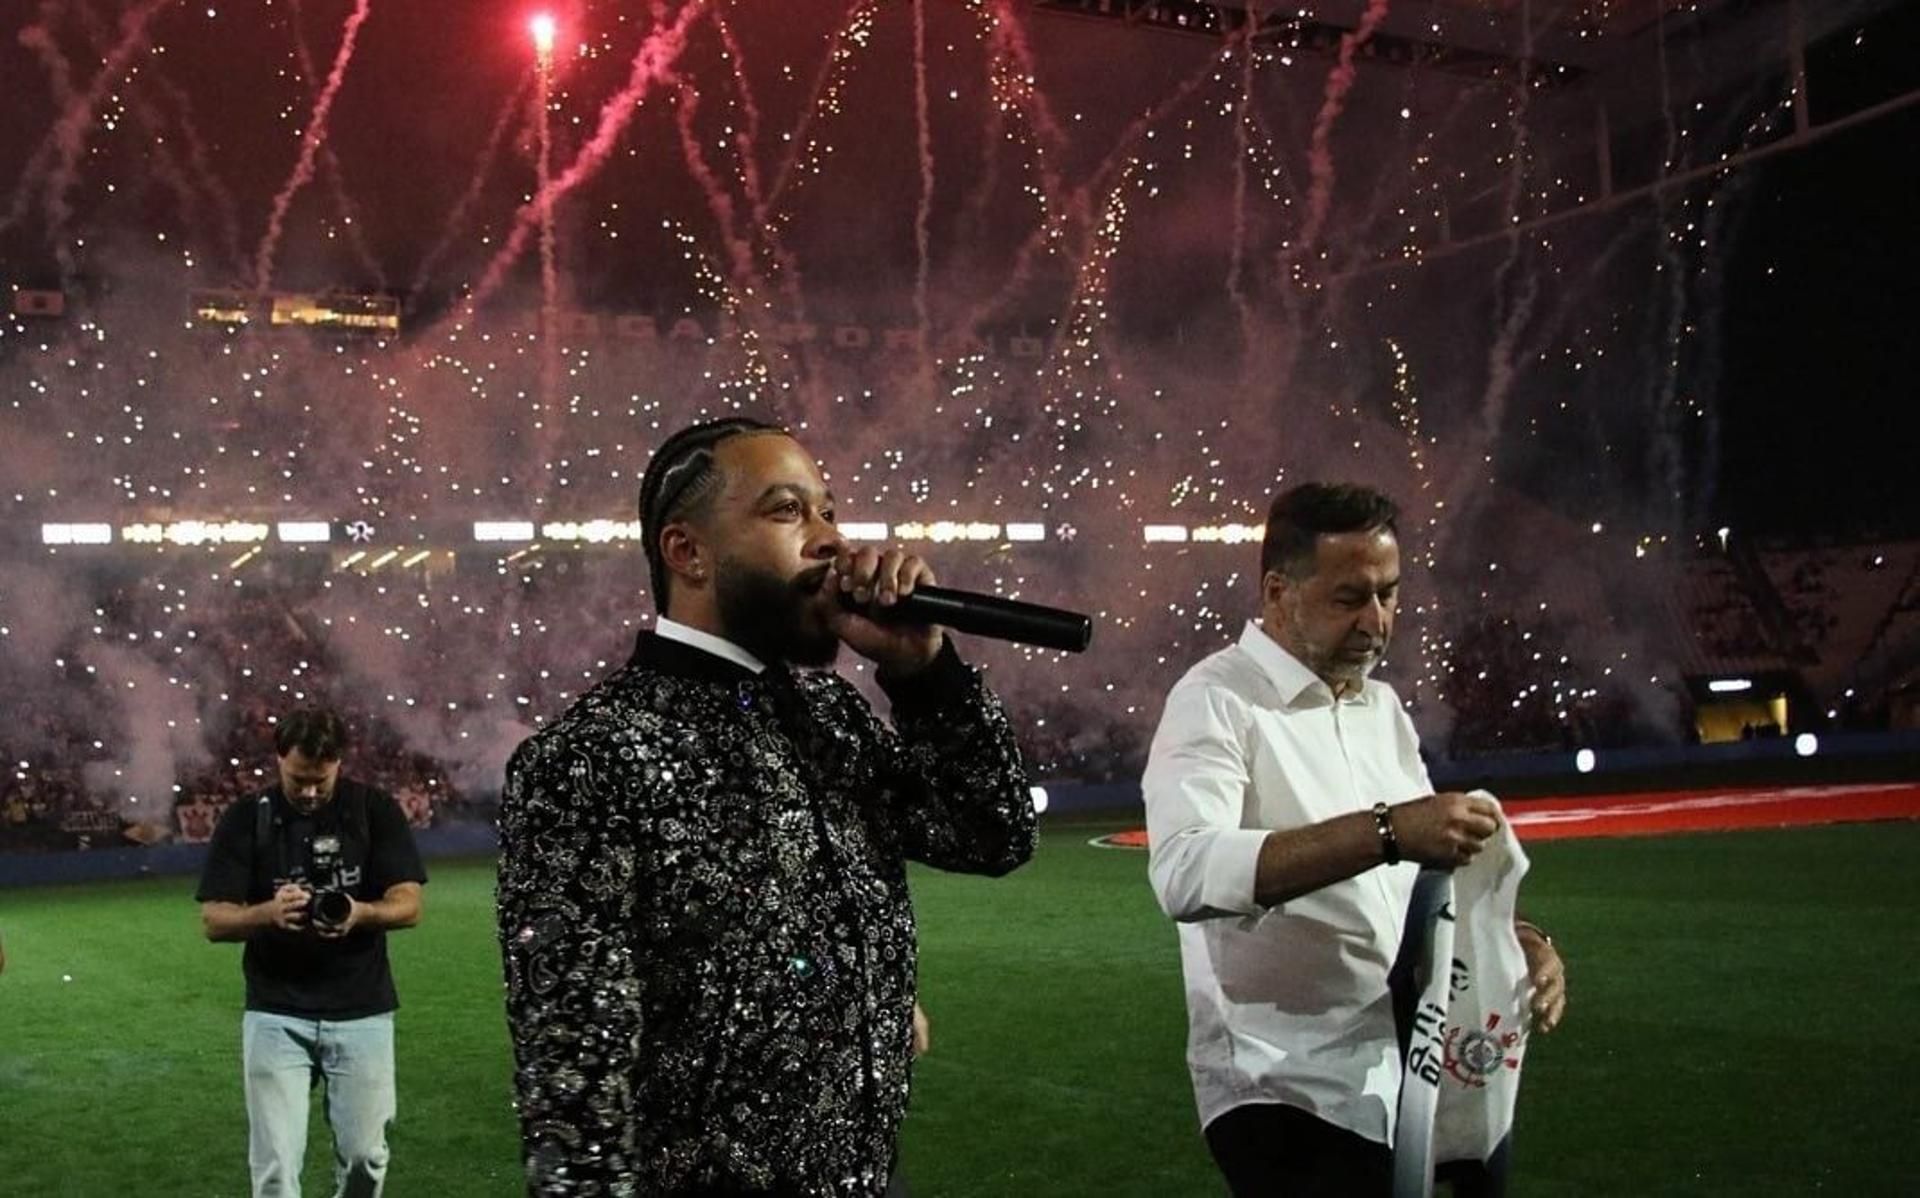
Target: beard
776, 619
1348, 663
306, 806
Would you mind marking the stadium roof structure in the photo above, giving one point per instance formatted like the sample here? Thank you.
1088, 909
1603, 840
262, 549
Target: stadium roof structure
1608, 51
1591, 37
1615, 67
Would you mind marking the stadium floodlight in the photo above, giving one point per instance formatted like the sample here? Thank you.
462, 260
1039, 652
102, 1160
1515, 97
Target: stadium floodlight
592, 532
1228, 534
1165, 533
1584, 761
76, 534
304, 532
1026, 532
1730, 686
503, 530
1039, 796
945, 531
1806, 744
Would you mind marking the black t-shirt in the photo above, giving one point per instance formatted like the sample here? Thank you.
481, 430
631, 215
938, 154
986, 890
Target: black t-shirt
297, 973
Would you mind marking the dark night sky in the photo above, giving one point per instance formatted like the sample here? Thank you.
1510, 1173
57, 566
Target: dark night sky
1547, 403
1821, 288
1823, 322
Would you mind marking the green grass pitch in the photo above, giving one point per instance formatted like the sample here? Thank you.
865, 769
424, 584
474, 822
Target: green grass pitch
1743, 1021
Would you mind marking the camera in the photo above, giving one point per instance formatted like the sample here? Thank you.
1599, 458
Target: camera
327, 905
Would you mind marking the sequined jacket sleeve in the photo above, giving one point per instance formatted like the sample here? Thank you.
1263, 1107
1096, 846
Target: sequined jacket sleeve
567, 904
958, 785
706, 929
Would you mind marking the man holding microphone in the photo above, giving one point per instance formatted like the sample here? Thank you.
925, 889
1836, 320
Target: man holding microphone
703, 909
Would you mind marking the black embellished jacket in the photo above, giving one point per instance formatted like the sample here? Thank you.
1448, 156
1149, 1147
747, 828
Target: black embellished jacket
704, 918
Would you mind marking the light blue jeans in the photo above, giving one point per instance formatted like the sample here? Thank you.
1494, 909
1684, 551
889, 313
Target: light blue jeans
283, 1057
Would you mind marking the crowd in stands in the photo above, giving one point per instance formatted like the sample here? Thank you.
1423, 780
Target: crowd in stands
155, 714
153, 710
1505, 702
439, 678
143, 682
1811, 599
1721, 617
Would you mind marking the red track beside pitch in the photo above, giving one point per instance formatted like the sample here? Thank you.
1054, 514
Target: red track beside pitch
1660, 812
1711, 810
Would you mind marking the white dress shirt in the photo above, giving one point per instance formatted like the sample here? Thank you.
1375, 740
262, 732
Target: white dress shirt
1286, 1004
719, 646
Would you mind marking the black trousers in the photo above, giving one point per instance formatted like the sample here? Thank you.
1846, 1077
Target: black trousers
1269, 1150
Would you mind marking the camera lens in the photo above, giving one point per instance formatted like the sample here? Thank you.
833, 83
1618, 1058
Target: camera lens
332, 907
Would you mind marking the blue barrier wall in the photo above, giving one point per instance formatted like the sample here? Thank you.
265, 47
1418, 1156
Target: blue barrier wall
103, 865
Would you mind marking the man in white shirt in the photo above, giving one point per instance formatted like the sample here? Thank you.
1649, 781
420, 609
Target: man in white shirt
1288, 812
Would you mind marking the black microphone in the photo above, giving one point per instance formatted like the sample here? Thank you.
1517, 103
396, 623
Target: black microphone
985, 615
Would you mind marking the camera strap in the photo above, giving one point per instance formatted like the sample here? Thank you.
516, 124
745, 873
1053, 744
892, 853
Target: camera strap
353, 823
264, 841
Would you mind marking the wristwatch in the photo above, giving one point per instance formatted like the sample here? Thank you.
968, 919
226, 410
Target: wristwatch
1383, 824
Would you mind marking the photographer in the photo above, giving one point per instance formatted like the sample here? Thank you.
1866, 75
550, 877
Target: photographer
311, 876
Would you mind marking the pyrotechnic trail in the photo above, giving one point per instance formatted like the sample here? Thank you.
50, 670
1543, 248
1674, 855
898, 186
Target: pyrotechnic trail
974, 219
219, 198
1078, 348
746, 148
652, 63
310, 141
1079, 204
746, 140
1011, 75
329, 163
745, 154
38, 38
1473, 475
1724, 195
1667, 447
1017, 73
1320, 305
745, 281
741, 291
1320, 166
745, 276
852, 35
1242, 152
166, 165
542, 28
65, 143
1310, 306
456, 221
923, 212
